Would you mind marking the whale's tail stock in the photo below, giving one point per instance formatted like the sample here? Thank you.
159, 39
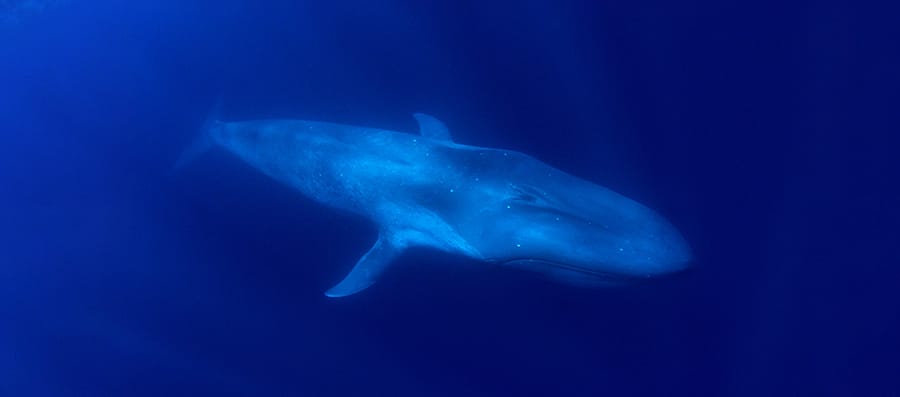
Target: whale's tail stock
203, 141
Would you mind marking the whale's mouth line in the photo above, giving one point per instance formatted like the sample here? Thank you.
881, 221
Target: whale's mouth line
564, 266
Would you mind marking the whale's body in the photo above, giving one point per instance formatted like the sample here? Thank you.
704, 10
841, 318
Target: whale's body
488, 204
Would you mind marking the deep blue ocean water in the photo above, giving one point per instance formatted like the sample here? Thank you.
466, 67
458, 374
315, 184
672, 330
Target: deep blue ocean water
764, 132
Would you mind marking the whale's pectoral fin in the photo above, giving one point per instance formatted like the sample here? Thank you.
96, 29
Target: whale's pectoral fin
367, 269
432, 128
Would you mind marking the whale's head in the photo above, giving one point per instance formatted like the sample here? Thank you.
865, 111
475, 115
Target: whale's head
541, 219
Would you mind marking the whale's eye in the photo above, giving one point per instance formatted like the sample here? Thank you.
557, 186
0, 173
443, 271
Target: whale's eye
529, 194
526, 197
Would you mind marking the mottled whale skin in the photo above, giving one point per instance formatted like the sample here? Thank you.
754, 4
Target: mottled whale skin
425, 190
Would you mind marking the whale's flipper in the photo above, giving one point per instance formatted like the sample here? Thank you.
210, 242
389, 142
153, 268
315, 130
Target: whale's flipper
367, 269
432, 128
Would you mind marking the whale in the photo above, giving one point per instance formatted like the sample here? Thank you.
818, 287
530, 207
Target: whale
425, 190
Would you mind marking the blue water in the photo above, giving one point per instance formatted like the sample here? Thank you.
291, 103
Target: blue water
764, 132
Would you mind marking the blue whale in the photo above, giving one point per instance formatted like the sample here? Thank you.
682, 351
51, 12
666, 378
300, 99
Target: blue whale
425, 190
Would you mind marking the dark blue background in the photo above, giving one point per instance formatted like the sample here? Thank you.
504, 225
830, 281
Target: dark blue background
765, 132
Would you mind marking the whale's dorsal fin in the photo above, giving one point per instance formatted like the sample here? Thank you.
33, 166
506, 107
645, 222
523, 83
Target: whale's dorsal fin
432, 128
368, 268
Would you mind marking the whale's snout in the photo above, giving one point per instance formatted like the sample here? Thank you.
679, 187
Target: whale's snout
674, 252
